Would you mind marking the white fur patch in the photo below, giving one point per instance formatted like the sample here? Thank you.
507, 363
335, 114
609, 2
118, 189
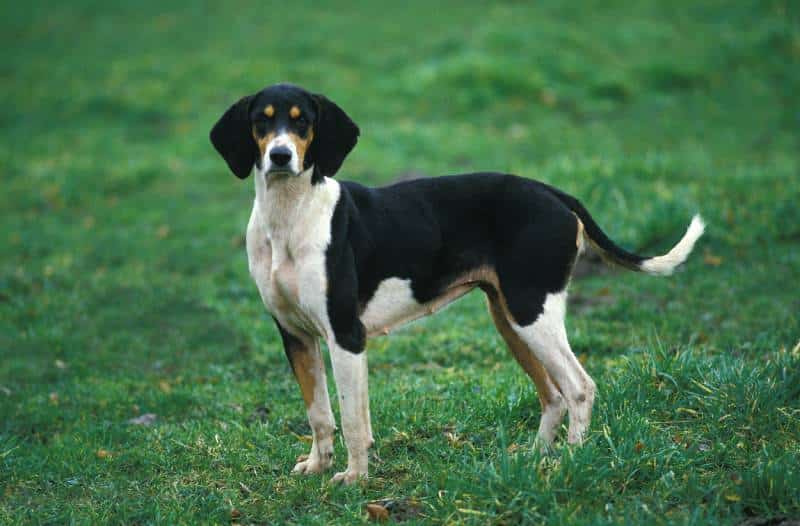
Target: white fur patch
350, 373
282, 140
664, 265
547, 339
393, 304
288, 233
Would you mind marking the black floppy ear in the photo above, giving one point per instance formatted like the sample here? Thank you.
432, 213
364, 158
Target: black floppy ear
334, 136
232, 138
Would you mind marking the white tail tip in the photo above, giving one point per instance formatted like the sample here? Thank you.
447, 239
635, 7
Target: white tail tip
664, 265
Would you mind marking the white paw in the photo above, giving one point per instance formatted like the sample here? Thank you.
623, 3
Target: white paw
544, 444
309, 465
348, 477
575, 435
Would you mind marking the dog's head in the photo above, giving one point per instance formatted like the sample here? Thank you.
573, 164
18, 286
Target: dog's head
284, 130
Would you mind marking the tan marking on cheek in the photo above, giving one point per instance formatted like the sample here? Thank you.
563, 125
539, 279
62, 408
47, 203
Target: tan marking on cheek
263, 141
269, 111
301, 144
294, 112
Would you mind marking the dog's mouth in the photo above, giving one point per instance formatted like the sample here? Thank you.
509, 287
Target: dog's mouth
279, 172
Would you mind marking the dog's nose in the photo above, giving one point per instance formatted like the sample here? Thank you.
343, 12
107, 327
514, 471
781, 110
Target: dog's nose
280, 155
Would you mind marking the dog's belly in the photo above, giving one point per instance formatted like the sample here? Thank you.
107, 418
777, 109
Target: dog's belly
393, 304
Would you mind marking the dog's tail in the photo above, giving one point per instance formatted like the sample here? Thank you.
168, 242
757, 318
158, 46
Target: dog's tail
659, 265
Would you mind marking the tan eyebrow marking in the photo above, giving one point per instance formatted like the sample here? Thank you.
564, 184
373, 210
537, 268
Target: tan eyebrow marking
269, 111
294, 112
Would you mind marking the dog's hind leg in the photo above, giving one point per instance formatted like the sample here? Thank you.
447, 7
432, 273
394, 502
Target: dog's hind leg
553, 404
546, 337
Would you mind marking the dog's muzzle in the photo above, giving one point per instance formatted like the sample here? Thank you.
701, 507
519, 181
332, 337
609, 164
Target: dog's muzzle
280, 157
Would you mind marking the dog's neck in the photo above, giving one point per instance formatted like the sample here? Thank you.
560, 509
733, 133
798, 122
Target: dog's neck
286, 202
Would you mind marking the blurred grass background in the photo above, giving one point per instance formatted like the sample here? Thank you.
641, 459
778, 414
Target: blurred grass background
124, 287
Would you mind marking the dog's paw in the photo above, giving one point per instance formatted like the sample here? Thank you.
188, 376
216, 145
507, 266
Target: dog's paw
544, 446
309, 466
348, 477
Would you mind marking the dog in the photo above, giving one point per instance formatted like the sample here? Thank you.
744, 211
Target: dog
342, 262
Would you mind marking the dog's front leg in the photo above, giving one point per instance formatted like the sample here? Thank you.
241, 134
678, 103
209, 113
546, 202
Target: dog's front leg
350, 373
309, 368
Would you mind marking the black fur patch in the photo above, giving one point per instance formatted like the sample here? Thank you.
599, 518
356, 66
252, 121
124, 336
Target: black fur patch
335, 136
434, 230
232, 138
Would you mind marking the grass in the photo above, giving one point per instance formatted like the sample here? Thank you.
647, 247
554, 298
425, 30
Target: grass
124, 288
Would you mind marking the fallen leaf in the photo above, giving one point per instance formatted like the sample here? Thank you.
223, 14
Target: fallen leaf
732, 497
512, 448
377, 512
60, 364
453, 438
400, 510
146, 419
164, 386
54, 398
235, 514
638, 447
400, 435
102, 453
162, 232
548, 98
711, 259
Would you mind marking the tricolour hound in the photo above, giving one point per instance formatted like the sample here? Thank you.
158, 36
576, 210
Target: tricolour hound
343, 262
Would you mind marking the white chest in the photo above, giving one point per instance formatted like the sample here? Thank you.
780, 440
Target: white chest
287, 236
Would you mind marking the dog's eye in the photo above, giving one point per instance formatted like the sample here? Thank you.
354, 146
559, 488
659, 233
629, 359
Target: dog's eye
261, 126
302, 121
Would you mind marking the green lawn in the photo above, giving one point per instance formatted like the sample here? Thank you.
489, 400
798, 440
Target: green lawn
124, 287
